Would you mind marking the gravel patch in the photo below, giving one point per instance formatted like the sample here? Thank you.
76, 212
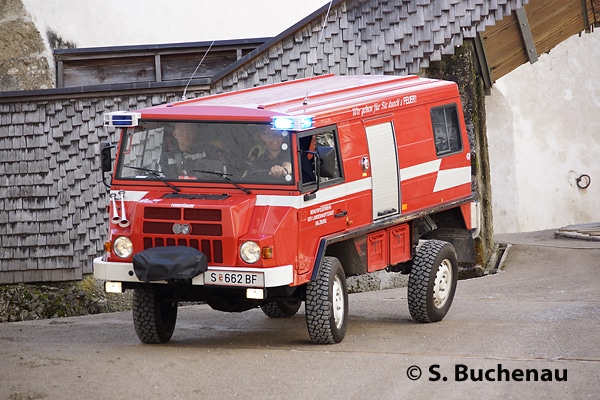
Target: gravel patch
28, 302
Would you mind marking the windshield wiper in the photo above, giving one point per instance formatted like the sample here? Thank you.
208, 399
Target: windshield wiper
225, 177
157, 175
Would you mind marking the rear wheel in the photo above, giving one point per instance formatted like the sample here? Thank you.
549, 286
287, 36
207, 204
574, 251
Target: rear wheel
281, 308
154, 317
432, 281
327, 303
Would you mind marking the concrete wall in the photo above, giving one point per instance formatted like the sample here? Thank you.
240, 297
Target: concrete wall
543, 123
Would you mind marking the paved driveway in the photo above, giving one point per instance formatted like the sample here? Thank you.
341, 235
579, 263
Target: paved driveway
538, 319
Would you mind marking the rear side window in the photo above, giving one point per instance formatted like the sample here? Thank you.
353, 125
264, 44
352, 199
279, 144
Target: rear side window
446, 131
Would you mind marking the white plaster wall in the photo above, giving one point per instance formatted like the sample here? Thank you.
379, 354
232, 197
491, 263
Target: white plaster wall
98, 23
543, 125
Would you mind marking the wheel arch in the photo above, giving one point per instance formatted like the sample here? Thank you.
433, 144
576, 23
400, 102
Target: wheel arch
353, 261
448, 226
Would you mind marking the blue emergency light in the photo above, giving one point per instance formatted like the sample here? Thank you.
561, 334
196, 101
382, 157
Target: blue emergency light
121, 118
285, 123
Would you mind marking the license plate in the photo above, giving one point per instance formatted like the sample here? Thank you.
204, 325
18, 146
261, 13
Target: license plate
233, 278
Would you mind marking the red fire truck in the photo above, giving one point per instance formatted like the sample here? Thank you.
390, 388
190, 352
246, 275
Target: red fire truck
272, 196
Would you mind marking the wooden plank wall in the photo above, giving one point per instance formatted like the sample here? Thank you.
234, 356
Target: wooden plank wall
108, 71
551, 22
182, 66
108, 66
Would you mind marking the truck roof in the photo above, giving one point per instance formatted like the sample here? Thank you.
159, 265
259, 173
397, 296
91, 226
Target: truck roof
319, 97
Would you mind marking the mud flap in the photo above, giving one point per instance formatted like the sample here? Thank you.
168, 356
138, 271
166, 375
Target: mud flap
172, 263
462, 241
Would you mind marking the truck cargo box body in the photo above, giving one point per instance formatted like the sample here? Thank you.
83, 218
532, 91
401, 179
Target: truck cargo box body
365, 166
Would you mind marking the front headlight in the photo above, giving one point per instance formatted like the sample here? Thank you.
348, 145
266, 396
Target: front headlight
250, 252
123, 247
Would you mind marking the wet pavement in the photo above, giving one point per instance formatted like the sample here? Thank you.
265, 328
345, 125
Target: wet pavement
530, 331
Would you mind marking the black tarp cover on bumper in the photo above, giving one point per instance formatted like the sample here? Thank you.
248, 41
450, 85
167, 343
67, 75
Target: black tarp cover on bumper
172, 263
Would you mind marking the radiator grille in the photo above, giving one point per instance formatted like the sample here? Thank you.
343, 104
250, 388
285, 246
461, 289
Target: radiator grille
205, 223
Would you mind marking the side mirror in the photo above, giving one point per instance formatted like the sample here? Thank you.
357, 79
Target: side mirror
106, 157
327, 157
324, 167
106, 160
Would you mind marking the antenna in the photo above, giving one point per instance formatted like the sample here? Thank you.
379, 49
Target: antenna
196, 70
312, 71
325, 21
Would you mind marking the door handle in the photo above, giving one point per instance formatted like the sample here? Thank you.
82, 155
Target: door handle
341, 214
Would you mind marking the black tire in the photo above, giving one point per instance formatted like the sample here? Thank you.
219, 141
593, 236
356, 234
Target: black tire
281, 308
153, 317
327, 304
432, 281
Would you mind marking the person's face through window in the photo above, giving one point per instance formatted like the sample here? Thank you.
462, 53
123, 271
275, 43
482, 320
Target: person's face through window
273, 142
185, 135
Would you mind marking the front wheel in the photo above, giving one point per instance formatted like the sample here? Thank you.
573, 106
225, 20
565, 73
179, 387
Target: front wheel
326, 303
432, 281
154, 317
281, 308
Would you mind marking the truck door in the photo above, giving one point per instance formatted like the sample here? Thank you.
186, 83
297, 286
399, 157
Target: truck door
326, 211
384, 169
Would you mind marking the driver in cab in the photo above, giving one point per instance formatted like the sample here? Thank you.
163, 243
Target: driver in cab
275, 160
188, 155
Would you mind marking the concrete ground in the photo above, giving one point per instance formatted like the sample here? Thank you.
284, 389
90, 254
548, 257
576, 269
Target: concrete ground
531, 331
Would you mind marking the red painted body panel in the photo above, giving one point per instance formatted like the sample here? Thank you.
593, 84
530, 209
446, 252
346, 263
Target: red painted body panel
279, 216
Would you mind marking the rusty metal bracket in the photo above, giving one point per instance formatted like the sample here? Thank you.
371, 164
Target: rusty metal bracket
526, 35
584, 12
484, 68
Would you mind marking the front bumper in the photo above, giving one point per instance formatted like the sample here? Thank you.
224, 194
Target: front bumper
123, 272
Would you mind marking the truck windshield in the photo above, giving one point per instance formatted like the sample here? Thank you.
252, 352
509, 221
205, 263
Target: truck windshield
206, 152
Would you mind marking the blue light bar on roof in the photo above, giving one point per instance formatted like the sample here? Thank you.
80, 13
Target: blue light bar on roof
285, 123
121, 119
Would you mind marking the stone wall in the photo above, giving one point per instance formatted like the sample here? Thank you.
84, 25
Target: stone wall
23, 64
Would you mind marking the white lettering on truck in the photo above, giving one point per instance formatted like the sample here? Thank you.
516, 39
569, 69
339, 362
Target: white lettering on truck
320, 214
384, 105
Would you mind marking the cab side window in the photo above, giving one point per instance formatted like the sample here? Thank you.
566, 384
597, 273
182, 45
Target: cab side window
308, 145
446, 131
